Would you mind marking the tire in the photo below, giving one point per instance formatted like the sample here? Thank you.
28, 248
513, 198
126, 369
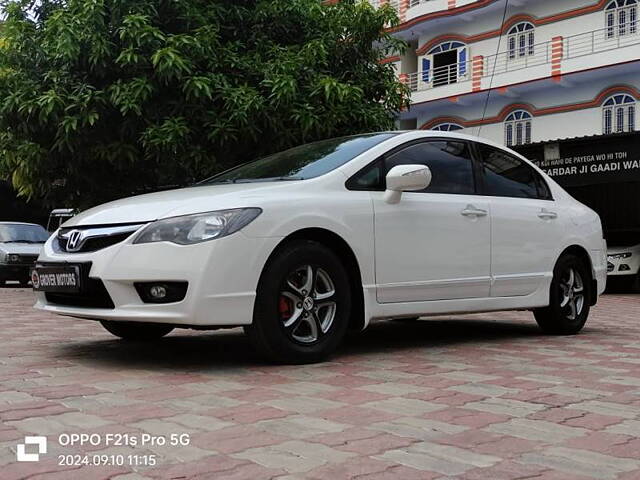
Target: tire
290, 325
570, 296
137, 331
635, 284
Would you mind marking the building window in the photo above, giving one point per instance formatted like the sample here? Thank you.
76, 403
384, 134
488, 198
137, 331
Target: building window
521, 40
517, 128
619, 114
621, 18
445, 63
447, 127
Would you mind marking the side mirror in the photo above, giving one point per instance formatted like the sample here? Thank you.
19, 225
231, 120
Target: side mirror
406, 178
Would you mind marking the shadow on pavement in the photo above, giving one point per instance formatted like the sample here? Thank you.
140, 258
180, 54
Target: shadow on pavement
230, 350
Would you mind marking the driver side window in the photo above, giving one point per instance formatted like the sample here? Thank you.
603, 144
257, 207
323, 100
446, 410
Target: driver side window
450, 163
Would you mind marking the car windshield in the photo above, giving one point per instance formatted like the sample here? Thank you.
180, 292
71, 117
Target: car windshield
303, 162
18, 233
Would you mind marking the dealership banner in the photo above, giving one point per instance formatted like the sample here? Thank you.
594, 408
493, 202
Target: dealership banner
592, 161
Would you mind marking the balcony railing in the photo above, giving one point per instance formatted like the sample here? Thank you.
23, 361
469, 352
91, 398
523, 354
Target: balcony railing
575, 46
437, 77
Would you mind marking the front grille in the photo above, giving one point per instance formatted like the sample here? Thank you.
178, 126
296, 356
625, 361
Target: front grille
94, 244
92, 294
92, 238
610, 267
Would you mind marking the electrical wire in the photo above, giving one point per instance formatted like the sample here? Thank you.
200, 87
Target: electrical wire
493, 70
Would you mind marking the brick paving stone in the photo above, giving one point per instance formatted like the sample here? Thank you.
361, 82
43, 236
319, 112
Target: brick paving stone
581, 462
405, 406
464, 397
419, 428
302, 404
235, 439
537, 430
444, 459
375, 445
360, 467
505, 406
300, 426
294, 456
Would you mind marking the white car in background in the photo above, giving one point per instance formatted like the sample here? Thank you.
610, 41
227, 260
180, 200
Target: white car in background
302, 245
623, 263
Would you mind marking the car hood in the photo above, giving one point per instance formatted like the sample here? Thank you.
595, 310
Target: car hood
21, 248
635, 249
185, 201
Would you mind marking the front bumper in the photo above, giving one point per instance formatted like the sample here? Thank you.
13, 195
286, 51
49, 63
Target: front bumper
15, 271
623, 266
222, 278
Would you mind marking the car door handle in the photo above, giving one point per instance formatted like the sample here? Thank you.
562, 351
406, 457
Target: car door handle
472, 211
547, 215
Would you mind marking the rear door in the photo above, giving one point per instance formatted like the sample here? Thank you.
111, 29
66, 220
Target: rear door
525, 223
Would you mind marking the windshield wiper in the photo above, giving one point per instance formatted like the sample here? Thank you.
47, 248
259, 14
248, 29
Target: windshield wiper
254, 180
23, 241
267, 179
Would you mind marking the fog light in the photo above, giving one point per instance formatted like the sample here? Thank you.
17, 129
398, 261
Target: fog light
624, 268
13, 258
158, 292
161, 292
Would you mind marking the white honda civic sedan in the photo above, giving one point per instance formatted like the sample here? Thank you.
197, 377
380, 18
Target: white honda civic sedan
302, 245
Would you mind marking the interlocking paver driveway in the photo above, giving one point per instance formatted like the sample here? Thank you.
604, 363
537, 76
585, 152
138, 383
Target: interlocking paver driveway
472, 397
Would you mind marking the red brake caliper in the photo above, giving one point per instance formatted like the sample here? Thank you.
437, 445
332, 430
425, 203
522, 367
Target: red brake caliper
285, 306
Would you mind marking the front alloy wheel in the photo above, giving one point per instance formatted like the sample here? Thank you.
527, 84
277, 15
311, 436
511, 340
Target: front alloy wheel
569, 298
303, 304
307, 304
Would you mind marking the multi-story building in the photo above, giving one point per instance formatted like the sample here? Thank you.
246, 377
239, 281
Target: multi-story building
558, 80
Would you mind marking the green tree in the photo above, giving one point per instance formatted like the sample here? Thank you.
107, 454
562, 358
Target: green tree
100, 98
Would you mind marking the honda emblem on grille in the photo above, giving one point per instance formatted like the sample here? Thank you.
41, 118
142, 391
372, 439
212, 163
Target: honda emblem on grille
74, 240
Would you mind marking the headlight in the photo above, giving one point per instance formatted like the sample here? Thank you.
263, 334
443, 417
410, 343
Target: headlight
190, 229
619, 256
13, 258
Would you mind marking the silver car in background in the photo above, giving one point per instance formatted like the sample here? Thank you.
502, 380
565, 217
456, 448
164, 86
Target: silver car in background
20, 245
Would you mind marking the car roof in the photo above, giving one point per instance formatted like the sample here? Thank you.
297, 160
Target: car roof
20, 223
456, 135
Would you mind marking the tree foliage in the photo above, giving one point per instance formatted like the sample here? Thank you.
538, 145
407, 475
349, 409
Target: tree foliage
110, 96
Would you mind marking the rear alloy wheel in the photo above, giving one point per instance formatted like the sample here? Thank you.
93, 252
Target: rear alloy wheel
302, 306
569, 298
137, 331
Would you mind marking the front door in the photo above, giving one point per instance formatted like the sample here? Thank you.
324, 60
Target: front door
434, 244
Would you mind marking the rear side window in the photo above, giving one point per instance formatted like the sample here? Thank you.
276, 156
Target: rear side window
507, 176
450, 162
